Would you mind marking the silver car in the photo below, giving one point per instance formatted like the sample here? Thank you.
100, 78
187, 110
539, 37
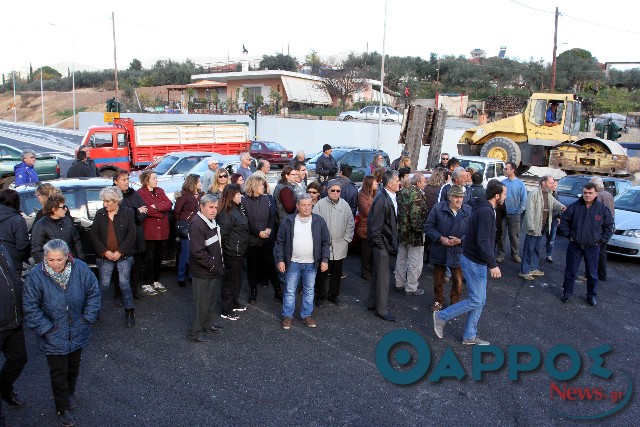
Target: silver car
626, 238
372, 114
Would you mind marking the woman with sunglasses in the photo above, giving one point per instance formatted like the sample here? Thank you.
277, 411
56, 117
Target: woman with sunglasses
55, 225
314, 189
220, 180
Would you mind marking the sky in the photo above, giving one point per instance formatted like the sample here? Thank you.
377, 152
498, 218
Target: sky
48, 33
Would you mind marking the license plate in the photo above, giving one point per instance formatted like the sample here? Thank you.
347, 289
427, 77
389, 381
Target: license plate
283, 155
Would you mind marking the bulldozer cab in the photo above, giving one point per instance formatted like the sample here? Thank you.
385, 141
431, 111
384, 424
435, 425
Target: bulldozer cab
567, 117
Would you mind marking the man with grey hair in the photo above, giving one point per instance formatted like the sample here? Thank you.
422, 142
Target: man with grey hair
458, 177
412, 211
607, 198
207, 268
537, 223
25, 172
245, 166
207, 177
299, 157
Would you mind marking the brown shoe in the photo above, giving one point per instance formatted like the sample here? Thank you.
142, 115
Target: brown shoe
309, 322
436, 306
286, 323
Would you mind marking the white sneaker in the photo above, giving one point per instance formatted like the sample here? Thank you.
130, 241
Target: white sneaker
148, 290
158, 287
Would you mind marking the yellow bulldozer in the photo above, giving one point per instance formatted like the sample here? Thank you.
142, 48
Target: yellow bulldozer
546, 134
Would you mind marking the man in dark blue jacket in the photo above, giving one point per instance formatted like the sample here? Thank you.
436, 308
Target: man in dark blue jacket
587, 223
11, 333
477, 256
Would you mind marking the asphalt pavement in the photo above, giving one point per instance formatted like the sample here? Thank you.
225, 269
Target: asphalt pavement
255, 373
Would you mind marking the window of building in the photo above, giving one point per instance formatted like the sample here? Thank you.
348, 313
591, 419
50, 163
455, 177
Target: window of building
252, 94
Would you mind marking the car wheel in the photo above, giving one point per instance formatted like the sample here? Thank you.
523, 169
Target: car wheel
389, 120
347, 118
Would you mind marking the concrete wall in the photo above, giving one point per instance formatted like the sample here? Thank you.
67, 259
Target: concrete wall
300, 134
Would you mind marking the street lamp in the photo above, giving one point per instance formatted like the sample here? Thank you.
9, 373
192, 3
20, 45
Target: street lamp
73, 74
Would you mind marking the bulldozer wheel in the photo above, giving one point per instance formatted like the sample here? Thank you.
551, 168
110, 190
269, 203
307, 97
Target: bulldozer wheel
595, 147
568, 147
502, 149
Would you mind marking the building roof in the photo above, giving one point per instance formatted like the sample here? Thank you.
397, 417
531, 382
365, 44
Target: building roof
206, 83
249, 75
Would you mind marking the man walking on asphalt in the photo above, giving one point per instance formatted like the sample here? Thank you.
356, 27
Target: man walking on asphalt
337, 214
412, 211
607, 198
382, 233
537, 223
515, 205
477, 256
587, 224
297, 258
207, 268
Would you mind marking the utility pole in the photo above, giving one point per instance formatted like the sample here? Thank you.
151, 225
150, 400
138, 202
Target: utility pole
555, 49
42, 94
15, 106
384, 37
115, 61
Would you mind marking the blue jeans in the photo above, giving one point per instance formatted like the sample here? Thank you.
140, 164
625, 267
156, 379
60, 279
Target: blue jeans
183, 260
476, 277
551, 236
308, 273
575, 253
530, 253
105, 269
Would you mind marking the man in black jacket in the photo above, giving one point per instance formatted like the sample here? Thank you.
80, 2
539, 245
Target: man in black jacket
587, 223
382, 233
349, 190
11, 333
82, 167
207, 268
477, 255
326, 165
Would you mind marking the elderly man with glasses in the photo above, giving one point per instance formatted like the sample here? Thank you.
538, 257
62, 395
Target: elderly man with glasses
25, 172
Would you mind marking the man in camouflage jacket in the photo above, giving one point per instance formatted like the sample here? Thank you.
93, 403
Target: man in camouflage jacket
412, 212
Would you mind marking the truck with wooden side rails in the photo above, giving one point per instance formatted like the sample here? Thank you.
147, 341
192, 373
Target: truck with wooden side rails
133, 145
529, 139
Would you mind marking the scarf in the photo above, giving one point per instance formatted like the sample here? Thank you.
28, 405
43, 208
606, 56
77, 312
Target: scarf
62, 278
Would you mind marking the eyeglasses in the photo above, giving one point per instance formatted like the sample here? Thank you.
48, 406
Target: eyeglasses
334, 191
312, 192
65, 207
445, 158
224, 176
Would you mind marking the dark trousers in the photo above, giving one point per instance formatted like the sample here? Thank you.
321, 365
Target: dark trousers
602, 263
231, 283
575, 253
365, 259
512, 226
205, 300
330, 277
135, 280
379, 289
15, 355
260, 262
438, 283
152, 261
64, 370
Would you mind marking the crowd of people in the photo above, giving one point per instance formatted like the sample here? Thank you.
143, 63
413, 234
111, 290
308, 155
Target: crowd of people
295, 238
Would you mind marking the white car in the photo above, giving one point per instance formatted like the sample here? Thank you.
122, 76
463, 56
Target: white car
372, 114
626, 237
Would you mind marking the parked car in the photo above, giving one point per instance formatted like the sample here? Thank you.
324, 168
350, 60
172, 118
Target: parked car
626, 237
177, 162
47, 166
489, 168
358, 158
570, 186
372, 114
82, 196
273, 152
633, 148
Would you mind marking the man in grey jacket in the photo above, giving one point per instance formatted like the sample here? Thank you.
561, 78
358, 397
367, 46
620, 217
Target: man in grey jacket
537, 223
336, 212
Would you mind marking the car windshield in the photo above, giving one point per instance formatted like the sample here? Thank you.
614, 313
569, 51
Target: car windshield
336, 153
163, 164
628, 201
200, 168
475, 165
274, 146
572, 185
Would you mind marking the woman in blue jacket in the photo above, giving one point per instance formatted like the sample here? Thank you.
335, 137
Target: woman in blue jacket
61, 299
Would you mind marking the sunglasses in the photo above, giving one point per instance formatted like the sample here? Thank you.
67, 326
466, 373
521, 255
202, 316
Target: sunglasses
224, 176
312, 192
445, 158
65, 207
334, 191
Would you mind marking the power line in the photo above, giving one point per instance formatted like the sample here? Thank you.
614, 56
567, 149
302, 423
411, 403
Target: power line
532, 8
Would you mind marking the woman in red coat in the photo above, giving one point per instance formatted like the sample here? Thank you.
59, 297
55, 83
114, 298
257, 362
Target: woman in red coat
365, 198
156, 229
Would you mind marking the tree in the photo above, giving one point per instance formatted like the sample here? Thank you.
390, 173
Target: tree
135, 65
48, 73
343, 83
278, 62
576, 70
313, 60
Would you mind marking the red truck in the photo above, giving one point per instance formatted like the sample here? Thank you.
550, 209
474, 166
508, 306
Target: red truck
128, 145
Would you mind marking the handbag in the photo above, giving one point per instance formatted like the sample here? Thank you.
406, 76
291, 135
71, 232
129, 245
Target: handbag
182, 227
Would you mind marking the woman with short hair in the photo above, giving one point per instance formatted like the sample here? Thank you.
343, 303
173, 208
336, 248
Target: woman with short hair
186, 208
156, 230
61, 300
113, 233
42, 192
55, 225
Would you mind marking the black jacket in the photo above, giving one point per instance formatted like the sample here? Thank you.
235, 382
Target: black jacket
205, 249
11, 315
125, 229
14, 235
320, 235
260, 216
48, 229
81, 169
326, 167
382, 227
349, 192
132, 200
480, 240
442, 222
588, 227
234, 230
